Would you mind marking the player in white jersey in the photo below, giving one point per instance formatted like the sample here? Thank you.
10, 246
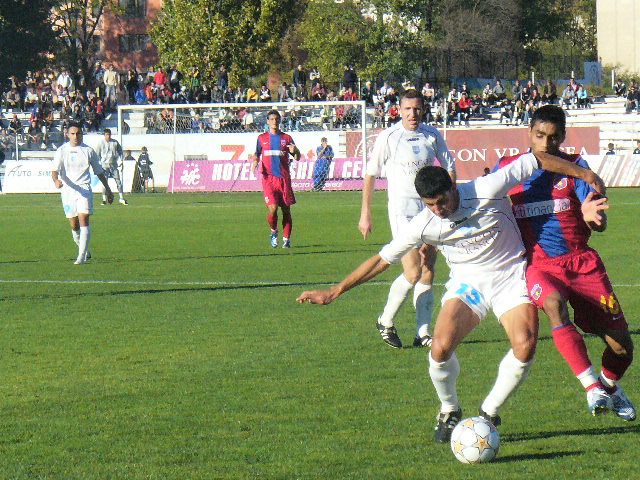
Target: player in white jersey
70, 173
110, 153
402, 150
474, 227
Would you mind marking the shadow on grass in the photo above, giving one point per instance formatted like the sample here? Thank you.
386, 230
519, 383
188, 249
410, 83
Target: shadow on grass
536, 456
525, 436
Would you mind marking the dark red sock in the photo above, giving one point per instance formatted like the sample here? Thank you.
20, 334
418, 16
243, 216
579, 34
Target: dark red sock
272, 220
287, 225
614, 366
571, 346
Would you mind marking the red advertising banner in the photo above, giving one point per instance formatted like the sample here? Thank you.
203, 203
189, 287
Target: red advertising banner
475, 149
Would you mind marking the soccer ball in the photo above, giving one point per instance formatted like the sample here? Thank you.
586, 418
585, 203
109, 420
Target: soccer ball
475, 440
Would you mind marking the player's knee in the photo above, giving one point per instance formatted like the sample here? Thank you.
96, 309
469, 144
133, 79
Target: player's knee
555, 307
524, 346
412, 275
442, 349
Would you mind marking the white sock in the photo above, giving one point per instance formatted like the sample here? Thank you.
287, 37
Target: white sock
76, 236
607, 382
83, 246
397, 293
588, 377
511, 373
423, 301
444, 376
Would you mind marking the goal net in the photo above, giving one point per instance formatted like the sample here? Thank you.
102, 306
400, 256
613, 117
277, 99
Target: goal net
206, 147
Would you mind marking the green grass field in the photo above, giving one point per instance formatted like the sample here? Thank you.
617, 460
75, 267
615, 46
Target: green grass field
179, 353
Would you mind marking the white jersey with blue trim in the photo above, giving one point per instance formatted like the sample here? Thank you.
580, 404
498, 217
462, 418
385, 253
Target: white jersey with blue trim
482, 234
72, 164
401, 153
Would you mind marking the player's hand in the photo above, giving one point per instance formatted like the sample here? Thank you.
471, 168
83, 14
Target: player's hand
365, 226
320, 297
58, 183
109, 197
292, 148
592, 209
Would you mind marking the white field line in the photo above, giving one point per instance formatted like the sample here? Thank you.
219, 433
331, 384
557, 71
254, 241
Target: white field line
204, 284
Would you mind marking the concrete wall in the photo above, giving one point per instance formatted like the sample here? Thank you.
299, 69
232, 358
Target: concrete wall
618, 23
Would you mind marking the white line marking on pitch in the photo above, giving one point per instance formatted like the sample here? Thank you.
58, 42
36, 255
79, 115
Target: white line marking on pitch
209, 284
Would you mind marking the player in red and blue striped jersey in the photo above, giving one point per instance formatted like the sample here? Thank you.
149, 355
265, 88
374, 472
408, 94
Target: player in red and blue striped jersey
274, 150
556, 215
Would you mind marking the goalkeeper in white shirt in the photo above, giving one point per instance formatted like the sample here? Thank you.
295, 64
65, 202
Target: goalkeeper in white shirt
402, 150
70, 174
474, 228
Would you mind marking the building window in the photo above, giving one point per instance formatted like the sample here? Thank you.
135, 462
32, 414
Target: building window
134, 42
134, 8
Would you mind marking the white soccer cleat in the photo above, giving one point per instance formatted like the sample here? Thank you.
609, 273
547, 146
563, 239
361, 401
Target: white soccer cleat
622, 406
80, 261
599, 401
122, 201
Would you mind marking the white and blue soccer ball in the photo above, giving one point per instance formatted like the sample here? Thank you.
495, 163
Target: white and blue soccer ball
475, 440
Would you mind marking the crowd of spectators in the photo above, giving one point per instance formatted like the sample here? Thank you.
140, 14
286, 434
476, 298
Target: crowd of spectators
631, 95
54, 97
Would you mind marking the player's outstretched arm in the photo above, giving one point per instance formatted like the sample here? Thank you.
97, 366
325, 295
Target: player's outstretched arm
365, 272
56, 179
555, 164
593, 212
365, 225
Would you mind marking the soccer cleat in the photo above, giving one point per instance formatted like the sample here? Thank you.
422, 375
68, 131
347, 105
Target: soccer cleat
423, 341
122, 201
622, 406
80, 261
104, 202
389, 335
447, 421
87, 256
599, 401
495, 419
274, 239
286, 243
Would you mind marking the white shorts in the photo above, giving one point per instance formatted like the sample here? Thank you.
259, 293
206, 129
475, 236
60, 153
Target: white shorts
76, 200
499, 291
402, 212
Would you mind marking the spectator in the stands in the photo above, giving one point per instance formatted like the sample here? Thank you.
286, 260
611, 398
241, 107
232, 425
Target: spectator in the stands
283, 93
367, 94
464, 108
318, 92
610, 149
498, 92
582, 97
507, 111
516, 89
428, 92
569, 96
620, 88
265, 94
636, 151
299, 86
350, 78
549, 92
314, 76
631, 101
487, 95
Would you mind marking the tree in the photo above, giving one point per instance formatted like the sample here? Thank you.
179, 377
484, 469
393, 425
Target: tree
245, 36
25, 35
76, 22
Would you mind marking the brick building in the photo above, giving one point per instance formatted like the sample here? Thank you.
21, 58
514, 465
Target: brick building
124, 38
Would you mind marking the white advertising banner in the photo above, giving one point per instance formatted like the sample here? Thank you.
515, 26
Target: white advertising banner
34, 176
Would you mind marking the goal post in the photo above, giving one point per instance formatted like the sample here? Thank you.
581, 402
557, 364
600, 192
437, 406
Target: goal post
205, 147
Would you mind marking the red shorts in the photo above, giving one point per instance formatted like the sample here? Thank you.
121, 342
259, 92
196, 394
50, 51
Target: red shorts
581, 279
277, 191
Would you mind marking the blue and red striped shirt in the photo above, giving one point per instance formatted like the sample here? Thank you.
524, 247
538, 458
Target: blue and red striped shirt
547, 207
274, 153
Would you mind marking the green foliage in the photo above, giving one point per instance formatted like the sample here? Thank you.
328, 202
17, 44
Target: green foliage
206, 34
334, 36
180, 353
25, 36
